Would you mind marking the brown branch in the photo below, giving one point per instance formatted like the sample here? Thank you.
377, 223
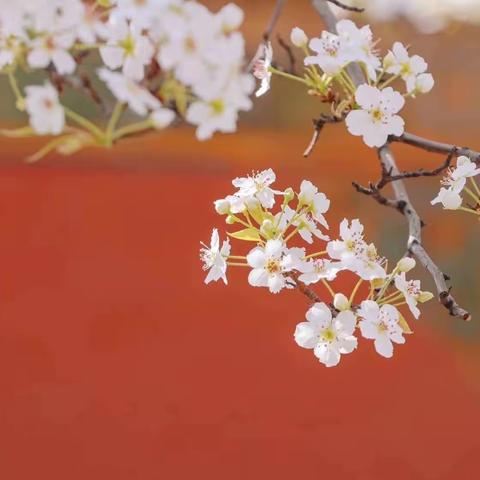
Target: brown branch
318, 124
414, 243
346, 7
288, 50
436, 147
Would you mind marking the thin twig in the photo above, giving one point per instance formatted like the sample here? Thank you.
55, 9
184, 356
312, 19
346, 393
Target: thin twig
346, 7
268, 31
318, 124
288, 50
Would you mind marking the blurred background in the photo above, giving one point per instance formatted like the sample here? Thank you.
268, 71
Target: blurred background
117, 362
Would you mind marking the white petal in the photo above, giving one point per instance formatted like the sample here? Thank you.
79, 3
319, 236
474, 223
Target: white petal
306, 335
367, 97
384, 346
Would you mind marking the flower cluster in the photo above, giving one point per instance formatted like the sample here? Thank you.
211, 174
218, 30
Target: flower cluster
455, 182
371, 109
162, 59
277, 262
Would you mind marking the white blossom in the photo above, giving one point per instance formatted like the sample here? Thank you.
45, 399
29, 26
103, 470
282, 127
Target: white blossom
215, 258
257, 186
317, 202
354, 253
380, 324
127, 47
53, 48
422, 83
399, 62
261, 69
376, 119
162, 118
410, 290
128, 91
328, 337
271, 263
315, 270
46, 114
330, 54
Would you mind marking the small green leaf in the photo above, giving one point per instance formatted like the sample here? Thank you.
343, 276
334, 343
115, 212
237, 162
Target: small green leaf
404, 325
248, 234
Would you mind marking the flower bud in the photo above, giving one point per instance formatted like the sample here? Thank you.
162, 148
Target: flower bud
289, 195
230, 220
267, 228
298, 37
406, 264
340, 302
222, 207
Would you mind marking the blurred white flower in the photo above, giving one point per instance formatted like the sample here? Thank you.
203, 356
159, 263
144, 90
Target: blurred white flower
128, 91
46, 114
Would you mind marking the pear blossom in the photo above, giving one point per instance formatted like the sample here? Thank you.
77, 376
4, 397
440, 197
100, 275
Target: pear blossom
317, 202
399, 62
53, 48
215, 258
257, 186
455, 181
330, 54
354, 254
422, 83
376, 119
261, 69
328, 337
46, 114
298, 37
449, 198
128, 91
304, 223
411, 291
9, 49
271, 263
359, 45
317, 269
127, 47
380, 324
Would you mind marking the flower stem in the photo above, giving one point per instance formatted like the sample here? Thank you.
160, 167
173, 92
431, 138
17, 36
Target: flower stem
390, 81
288, 75
475, 186
469, 210
112, 123
16, 90
313, 255
132, 128
236, 264
328, 287
477, 199
86, 124
354, 291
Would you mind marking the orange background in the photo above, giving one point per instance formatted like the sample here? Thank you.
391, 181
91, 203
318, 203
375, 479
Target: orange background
117, 362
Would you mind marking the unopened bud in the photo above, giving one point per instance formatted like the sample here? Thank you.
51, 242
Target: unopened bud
230, 220
406, 264
340, 302
298, 37
289, 195
267, 228
222, 207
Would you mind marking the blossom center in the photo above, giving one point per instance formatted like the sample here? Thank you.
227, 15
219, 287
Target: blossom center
128, 44
273, 266
377, 115
328, 335
218, 106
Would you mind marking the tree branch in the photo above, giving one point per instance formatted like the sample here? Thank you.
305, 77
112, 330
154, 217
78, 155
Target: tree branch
436, 147
346, 7
414, 243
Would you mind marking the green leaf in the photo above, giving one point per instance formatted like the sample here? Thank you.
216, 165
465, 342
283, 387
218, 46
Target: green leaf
248, 234
404, 325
